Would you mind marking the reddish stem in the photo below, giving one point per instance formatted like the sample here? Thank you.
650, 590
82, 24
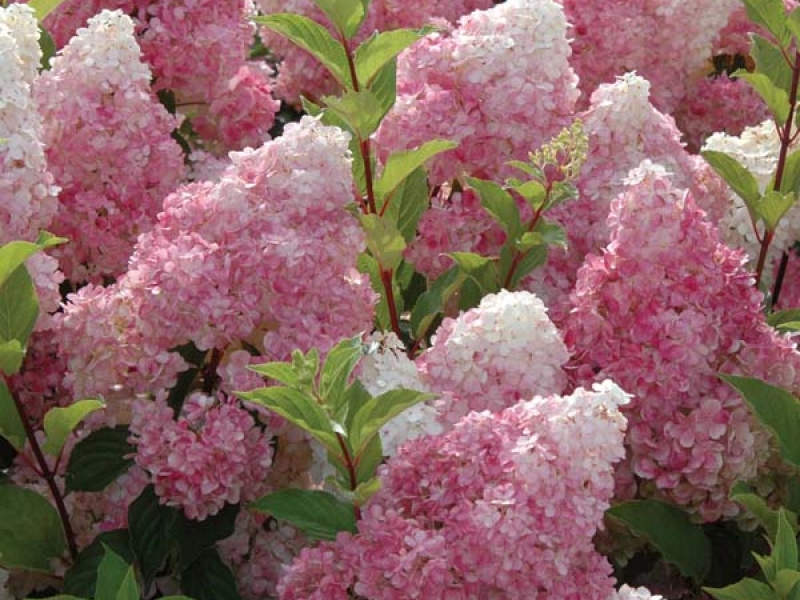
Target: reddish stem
46, 473
351, 470
517, 254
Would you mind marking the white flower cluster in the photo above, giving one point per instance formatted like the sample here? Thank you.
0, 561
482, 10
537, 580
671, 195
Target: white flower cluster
757, 148
626, 592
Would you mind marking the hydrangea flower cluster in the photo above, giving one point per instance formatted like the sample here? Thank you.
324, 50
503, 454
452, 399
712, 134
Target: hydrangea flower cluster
757, 148
663, 309
265, 255
494, 355
212, 455
300, 74
472, 513
499, 84
198, 50
26, 183
97, 105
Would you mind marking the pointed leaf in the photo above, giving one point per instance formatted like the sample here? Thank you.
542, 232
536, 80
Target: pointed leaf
499, 204
318, 514
11, 427
785, 320
19, 307
360, 110
770, 60
99, 459
793, 23
369, 266
784, 551
481, 269
368, 461
208, 578
670, 530
777, 409
773, 206
60, 422
384, 86
384, 241
193, 537
533, 258
314, 38
401, 164
786, 581
150, 524
299, 409
735, 175
282, 372
31, 534
374, 53
533, 192
756, 505
338, 367
770, 14
81, 578
11, 356
777, 99
346, 15
42, 8
112, 578
433, 301
746, 589
407, 203
380, 410
14, 254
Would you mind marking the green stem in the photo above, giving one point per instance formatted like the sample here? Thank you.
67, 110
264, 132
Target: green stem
518, 256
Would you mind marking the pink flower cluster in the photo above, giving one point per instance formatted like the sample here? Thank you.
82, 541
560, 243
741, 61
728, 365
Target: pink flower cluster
300, 74
499, 84
662, 310
108, 145
212, 455
494, 355
503, 506
266, 255
198, 50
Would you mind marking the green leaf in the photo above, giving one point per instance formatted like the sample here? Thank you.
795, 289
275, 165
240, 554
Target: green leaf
735, 175
368, 265
480, 269
11, 427
755, 504
384, 241
767, 564
433, 301
384, 86
785, 582
533, 192
81, 578
401, 164
770, 60
99, 459
150, 526
346, 15
338, 367
793, 23
670, 530
60, 422
193, 537
11, 356
790, 181
366, 489
208, 578
777, 409
533, 258
784, 550
318, 514
407, 203
773, 206
746, 589
499, 204
19, 306
785, 320
379, 49
770, 14
777, 99
31, 534
314, 38
14, 254
48, 48
544, 233
282, 372
297, 408
380, 410
42, 8
115, 579
368, 461
361, 111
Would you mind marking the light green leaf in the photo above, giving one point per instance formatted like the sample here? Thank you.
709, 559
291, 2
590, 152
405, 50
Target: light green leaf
318, 514
346, 15
361, 111
368, 461
299, 409
545, 233
407, 203
366, 489
19, 307
481, 269
11, 427
314, 38
338, 367
380, 410
401, 164
790, 181
770, 14
369, 266
735, 175
384, 86
777, 410
746, 589
768, 518
379, 49
770, 60
773, 206
670, 530
60, 422
11, 356
282, 372
42, 8
784, 550
785, 320
533, 192
777, 99
793, 23
384, 241
499, 204
14, 254
767, 564
533, 258
31, 534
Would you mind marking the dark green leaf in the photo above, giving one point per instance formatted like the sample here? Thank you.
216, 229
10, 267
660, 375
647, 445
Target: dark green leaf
150, 524
401, 164
318, 514
785, 320
379, 49
735, 175
193, 537
11, 427
369, 460
208, 578
746, 589
533, 258
499, 204
19, 307
407, 203
99, 459
114, 578
670, 530
48, 48
432, 302
81, 578
59, 422
31, 534
314, 38
777, 410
